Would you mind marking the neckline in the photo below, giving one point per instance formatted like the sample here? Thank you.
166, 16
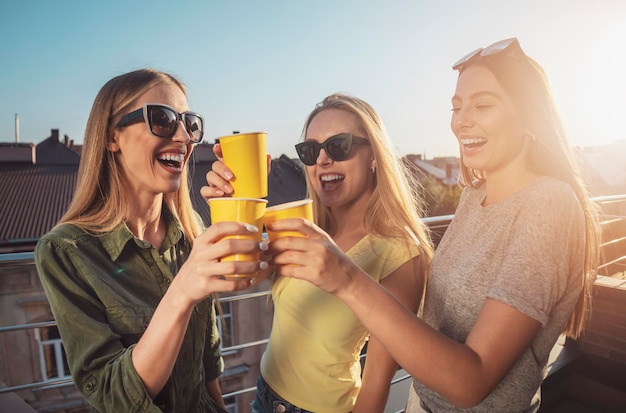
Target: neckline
511, 196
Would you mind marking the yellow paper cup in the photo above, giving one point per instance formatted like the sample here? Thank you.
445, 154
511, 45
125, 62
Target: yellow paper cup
246, 155
248, 210
295, 209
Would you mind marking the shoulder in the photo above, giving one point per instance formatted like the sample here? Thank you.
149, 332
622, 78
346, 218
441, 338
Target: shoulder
473, 194
64, 234
549, 195
393, 245
552, 189
549, 206
70, 238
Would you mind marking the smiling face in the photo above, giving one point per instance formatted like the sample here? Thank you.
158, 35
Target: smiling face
153, 165
346, 183
490, 132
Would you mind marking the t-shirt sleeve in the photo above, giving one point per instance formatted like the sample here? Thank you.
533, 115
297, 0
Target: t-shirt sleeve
546, 242
394, 254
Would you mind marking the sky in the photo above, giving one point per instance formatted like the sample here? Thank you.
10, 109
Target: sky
263, 65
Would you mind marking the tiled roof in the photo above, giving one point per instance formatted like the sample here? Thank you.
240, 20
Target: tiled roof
33, 199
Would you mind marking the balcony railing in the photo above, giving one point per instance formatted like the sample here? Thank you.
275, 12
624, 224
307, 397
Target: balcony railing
613, 248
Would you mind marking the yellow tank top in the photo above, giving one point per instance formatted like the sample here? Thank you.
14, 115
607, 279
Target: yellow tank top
312, 358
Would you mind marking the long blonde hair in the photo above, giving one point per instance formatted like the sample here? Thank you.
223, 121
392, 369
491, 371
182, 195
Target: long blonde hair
527, 85
396, 205
101, 196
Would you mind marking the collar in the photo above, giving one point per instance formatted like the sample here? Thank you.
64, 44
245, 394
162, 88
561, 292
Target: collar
115, 242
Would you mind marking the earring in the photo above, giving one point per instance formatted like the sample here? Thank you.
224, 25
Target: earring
373, 169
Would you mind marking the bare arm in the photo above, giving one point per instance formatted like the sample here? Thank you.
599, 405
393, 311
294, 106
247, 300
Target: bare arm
464, 373
380, 367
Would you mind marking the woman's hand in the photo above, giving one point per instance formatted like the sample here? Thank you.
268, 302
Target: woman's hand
315, 258
203, 273
220, 175
218, 178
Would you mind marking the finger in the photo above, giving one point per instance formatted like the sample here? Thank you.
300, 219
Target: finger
290, 257
236, 269
215, 179
228, 284
220, 168
229, 247
269, 163
209, 192
294, 271
219, 178
219, 230
303, 226
217, 150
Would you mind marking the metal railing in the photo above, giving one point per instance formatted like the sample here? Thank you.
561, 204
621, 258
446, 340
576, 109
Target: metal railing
613, 209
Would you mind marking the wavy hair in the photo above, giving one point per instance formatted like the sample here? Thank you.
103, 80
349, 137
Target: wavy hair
101, 197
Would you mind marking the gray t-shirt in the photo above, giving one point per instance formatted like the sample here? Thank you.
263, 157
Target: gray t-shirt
525, 251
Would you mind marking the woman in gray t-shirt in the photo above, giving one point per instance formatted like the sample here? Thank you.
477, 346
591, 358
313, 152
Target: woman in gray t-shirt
516, 266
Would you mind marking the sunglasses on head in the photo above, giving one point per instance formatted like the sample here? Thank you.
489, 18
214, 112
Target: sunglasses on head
163, 121
511, 46
337, 147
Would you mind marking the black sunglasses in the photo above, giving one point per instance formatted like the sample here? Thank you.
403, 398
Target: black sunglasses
163, 120
337, 147
507, 45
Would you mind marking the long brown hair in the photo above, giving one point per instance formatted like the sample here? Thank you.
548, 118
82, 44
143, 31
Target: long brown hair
101, 198
527, 85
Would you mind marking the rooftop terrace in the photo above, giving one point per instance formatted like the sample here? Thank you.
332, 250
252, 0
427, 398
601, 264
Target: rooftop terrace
588, 375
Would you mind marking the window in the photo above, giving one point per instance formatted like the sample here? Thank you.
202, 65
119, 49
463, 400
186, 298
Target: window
52, 360
231, 404
225, 324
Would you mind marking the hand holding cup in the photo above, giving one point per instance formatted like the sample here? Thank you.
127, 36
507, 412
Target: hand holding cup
246, 210
295, 209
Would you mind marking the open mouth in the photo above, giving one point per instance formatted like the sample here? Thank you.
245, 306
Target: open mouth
473, 143
331, 181
171, 160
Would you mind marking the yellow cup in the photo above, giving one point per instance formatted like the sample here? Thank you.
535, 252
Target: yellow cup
248, 210
295, 209
246, 155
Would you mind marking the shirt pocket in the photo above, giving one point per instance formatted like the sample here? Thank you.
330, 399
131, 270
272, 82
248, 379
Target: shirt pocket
129, 322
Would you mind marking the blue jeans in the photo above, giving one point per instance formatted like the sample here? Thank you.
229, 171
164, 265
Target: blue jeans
269, 402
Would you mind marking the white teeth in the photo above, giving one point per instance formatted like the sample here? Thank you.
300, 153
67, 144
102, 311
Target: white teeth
328, 178
172, 157
470, 141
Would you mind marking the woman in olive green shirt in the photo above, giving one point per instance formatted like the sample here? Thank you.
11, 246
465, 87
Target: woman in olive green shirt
132, 298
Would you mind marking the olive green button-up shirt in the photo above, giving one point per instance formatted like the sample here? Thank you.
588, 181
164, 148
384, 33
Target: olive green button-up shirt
103, 291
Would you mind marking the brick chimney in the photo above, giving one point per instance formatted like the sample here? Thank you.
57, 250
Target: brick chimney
55, 135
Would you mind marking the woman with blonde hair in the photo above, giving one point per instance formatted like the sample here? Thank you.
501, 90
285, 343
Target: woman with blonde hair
364, 199
513, 271
129, 271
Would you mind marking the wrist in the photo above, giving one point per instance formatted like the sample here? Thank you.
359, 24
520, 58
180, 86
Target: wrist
178, 297
350, 290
